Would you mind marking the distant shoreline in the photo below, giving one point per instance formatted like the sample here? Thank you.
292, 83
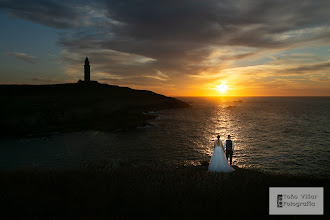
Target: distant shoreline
37, 109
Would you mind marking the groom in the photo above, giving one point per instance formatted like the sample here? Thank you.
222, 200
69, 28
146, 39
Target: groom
229, 144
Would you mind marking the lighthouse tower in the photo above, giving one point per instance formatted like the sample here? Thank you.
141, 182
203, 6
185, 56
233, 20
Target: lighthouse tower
87, 71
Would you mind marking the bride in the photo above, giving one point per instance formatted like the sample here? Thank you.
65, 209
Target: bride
219, 162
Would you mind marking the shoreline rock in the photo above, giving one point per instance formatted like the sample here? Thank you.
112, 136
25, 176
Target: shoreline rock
35, 109
113, 190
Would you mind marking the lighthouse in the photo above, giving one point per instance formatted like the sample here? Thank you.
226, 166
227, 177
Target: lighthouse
87, 71
87, 75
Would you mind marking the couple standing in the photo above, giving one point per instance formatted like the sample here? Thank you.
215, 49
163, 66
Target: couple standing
219, 161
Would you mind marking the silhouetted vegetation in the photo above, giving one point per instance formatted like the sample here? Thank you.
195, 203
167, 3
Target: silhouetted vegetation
33, 109
113, 189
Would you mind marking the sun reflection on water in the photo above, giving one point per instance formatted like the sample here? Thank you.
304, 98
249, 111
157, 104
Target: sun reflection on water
262, 130
224, 123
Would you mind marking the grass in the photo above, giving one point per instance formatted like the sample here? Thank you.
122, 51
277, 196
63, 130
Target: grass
115, 191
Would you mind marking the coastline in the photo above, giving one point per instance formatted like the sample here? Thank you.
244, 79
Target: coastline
39, 109
115, 190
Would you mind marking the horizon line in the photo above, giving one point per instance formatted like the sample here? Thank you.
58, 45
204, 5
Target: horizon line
258, 96
178, 96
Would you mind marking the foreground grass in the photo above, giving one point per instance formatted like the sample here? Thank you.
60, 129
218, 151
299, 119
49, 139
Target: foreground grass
113, 191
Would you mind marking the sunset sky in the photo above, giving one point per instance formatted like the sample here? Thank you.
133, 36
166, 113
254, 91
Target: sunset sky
176, 48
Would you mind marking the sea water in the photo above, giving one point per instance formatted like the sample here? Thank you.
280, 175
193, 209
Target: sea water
279, 134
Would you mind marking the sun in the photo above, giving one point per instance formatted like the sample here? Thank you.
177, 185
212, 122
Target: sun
222, 88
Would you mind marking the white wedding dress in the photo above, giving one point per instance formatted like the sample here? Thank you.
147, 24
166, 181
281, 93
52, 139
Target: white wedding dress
219, 162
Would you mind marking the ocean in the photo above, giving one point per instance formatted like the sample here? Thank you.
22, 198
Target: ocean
276, 134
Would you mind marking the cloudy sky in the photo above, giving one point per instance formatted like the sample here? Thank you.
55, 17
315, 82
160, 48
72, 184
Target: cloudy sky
177, 48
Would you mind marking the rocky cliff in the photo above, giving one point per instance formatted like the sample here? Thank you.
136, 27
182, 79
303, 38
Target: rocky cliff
33, 109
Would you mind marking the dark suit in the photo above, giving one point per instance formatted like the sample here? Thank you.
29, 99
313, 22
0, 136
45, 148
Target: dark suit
229, 150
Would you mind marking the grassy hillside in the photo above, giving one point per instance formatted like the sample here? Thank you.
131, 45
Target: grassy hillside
32, 109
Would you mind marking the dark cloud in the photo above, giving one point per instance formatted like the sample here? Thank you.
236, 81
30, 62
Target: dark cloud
140, 37
50, 13
204, 23
309, 68
22, 56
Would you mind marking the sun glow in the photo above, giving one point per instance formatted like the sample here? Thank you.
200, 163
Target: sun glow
222, 88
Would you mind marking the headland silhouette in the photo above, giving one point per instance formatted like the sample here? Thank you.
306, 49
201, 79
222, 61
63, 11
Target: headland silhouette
86, 105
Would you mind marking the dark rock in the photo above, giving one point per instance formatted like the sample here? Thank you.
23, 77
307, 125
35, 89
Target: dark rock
30, 109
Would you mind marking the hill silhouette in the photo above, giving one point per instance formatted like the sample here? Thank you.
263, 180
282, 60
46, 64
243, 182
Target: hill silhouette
35, 109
